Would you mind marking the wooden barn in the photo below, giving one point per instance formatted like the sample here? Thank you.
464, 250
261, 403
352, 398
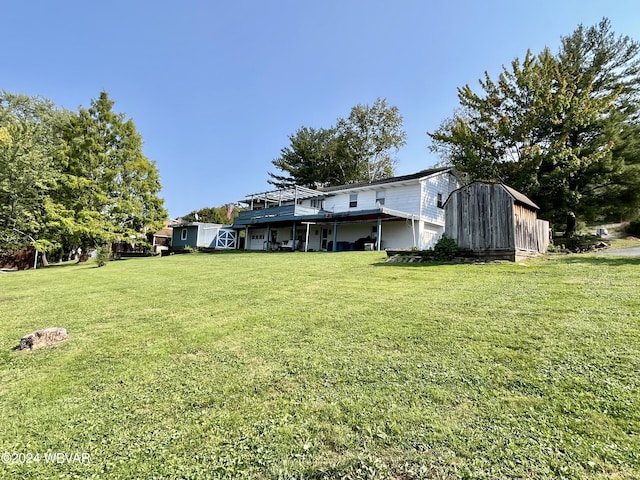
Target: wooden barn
494, 221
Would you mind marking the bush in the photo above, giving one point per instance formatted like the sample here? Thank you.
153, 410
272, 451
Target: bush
103, 255
633, 228
445, 249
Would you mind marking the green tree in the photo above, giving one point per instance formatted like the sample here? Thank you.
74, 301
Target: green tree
314, 158
556, 127
359, 148
212, 215
108, 188
373, 134
29, 138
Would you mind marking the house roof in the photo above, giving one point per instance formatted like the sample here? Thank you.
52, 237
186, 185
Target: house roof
297, 192
164, 232
197, 224
382, 181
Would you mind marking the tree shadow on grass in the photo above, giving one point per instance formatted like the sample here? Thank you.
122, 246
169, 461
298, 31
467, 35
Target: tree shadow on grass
576, 259
602, 260
411, 264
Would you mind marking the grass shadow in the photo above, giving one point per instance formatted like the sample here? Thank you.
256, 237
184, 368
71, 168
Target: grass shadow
604, 260
411, 264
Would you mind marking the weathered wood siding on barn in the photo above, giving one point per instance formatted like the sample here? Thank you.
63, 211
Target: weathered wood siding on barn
488, 218
526, 231
542, 227
480, 217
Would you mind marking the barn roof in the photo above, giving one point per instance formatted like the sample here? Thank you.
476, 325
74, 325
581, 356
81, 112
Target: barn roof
517, 196
520, 197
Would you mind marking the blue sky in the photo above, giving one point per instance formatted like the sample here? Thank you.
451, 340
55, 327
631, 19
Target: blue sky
216, 88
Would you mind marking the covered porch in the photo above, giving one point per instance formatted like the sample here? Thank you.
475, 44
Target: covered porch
375, 229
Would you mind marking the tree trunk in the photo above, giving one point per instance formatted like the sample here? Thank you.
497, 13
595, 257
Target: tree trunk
571, 225
84, 255
43, 257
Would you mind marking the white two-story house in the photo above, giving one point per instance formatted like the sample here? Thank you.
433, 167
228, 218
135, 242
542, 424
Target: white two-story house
393, 213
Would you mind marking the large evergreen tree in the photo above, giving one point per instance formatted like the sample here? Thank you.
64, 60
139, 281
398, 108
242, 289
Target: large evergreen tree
108, 187
557, 127
313, 158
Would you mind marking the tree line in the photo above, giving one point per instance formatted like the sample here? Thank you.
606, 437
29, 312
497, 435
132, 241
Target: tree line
73, 179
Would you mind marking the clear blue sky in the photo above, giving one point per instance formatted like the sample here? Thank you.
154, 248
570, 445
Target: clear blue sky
215, 88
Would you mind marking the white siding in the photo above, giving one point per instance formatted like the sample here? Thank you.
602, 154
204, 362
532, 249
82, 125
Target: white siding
429, 235
208, 235
443, 184
405, 198
396, 235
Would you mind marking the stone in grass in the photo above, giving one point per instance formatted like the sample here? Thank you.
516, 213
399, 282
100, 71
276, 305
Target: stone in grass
43, 338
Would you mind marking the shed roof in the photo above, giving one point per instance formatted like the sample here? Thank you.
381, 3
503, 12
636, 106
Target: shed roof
520, 197
517, 196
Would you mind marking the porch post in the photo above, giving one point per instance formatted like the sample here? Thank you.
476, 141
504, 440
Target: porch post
246, 238
268, 237
335, 236
293, 234
379, 234
413, 228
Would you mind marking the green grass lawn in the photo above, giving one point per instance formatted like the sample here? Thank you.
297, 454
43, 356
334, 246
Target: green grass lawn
325, 365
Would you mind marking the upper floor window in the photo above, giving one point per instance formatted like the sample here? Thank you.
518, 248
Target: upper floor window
380, 197
440, 200
353, 200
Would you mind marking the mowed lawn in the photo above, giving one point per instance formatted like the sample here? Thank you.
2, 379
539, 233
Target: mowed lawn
324, 365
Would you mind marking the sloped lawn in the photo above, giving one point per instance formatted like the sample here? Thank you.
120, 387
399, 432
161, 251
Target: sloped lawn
321, 365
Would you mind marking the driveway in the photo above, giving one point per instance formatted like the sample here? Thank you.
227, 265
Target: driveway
623, 252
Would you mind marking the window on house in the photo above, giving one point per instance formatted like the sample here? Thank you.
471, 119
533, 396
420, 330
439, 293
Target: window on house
380, 197
183, 235
353, 200
440, 200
